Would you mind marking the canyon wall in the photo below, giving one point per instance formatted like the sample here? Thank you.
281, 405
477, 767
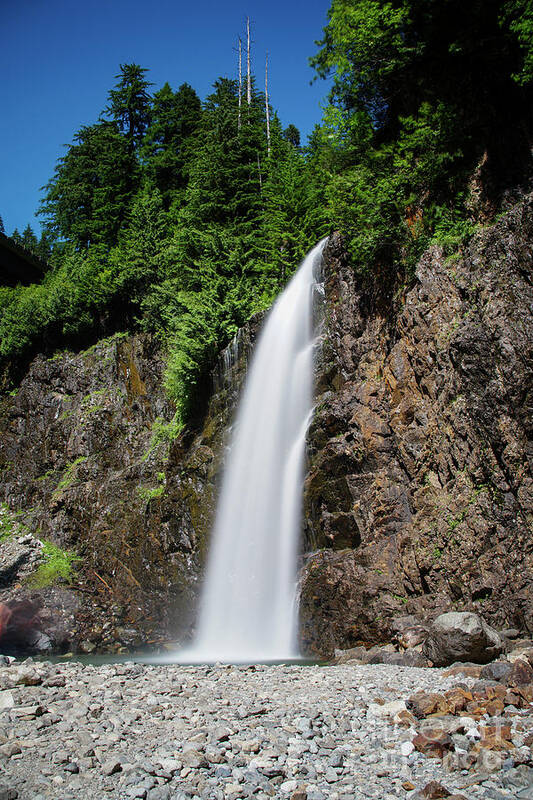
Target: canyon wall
419, 495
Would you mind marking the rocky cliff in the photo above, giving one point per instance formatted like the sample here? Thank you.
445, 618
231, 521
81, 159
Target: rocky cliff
418, 497
419, 494
89, 466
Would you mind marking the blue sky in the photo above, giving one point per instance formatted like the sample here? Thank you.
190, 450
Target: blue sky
59, 59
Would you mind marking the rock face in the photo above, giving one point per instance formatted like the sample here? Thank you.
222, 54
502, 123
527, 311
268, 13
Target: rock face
418, 498
457, 636
86, 463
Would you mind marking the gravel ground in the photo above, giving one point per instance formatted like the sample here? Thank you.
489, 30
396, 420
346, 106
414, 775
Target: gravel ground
221, 732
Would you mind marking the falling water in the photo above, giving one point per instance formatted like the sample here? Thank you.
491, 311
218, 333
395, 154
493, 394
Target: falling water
247, 610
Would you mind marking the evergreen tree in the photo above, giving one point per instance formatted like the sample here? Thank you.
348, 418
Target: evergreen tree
423, 93
44, 247
29, 239
87, 199
129, 103
294, 215
292, 135
169, 142
2, 229
16, 236
137, 262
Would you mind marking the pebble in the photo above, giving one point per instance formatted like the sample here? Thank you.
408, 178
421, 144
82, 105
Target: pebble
172, 732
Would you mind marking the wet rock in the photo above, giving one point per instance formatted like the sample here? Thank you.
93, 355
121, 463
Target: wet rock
461, 636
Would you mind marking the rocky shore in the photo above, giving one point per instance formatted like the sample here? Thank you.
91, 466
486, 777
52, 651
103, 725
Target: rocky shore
134, 730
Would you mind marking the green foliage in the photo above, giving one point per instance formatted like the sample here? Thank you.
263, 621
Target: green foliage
87, 199
7, 523
58, 565
69, 475
175, 220
148, 493
170, 140
129, 103
163, 433
423, 93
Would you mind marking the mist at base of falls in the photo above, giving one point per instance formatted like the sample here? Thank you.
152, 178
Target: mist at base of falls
248, 605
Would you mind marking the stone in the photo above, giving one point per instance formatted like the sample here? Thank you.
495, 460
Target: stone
6, 700
521, 673
194, 759
412, 636
10, 749
496, 671
408, 658
433, 742
299, 794
461, 636
495, 737
466, 670
111, 766
24, 676
422, 704
432, 791
8, 794
386, 710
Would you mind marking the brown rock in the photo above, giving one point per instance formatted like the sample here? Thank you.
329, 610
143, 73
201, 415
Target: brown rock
494, 737
421, 438
424, 704
432, 791
520, 674
494, 707
526, 693
468, 670
433, 742
405, 719
457, 700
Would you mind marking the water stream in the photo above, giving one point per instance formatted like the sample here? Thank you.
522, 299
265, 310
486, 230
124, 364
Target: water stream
247, 608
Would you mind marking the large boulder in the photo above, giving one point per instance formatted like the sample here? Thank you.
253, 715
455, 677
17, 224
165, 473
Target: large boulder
461, 636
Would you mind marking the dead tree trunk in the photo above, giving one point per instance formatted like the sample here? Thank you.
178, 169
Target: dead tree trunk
267, 110
249, 82
240, 83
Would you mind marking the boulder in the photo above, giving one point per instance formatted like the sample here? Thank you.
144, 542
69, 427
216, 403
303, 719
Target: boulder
496, 671
461, 636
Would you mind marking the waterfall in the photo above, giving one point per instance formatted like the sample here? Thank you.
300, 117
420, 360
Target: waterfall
247, 608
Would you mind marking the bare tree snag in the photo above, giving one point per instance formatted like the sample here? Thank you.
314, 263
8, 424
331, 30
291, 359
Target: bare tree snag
240, 82
267, 110
249, 82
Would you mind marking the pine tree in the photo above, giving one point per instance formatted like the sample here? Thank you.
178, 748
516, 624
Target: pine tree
129, 102
87, 199
29, 239
169, 142
292, 135
16, 236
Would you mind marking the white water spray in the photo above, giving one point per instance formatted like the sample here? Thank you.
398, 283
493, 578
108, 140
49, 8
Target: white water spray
247, 609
